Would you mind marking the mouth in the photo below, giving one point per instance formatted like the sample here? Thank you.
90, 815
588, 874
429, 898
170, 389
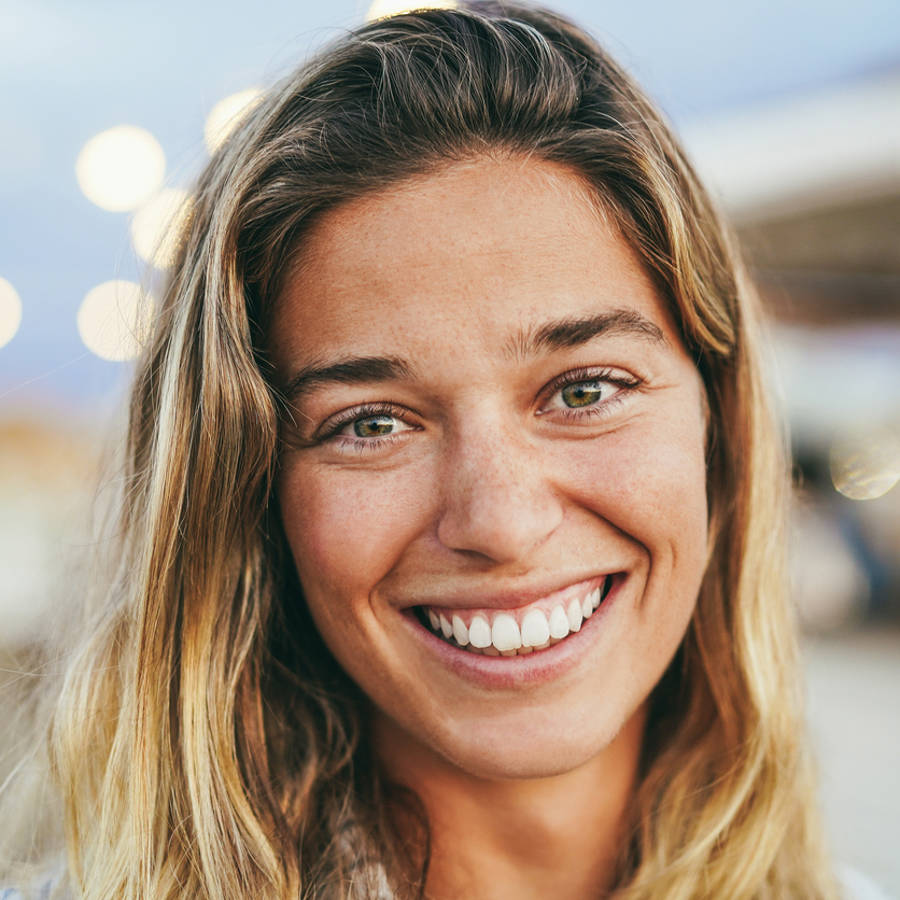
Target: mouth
521, 631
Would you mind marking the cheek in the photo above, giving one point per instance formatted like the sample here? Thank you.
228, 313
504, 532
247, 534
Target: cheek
649, 481
347, 528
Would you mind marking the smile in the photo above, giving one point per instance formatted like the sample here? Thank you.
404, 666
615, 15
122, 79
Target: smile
521, 631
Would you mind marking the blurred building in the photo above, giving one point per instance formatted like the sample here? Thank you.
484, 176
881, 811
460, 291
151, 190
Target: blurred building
813, 187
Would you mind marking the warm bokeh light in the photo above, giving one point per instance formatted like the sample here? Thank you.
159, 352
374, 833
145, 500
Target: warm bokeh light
226, 115
157, 225
10, 312
381, 9
866, 467
120, 168
114, 320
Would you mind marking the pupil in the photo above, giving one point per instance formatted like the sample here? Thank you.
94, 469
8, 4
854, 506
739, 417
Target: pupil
373, 426
584, 393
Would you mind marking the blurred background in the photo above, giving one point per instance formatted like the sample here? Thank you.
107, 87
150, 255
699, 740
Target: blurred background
791, 112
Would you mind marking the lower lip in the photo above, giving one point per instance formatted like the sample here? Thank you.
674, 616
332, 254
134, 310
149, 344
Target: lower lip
517, 671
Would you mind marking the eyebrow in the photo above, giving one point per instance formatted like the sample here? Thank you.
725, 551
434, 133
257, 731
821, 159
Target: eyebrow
556, 335
566, 333
353, 370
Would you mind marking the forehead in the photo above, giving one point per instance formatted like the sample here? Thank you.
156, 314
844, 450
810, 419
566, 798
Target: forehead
487, 247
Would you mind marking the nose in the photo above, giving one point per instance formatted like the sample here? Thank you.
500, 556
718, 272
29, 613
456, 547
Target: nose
497, 498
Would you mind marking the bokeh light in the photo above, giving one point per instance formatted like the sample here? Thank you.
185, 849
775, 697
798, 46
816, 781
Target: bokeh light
120, 168
381, 9
224, 117
114, 320
10, 312
866, 466
156, 227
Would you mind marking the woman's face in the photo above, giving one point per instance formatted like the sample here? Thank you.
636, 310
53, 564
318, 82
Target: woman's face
498, 430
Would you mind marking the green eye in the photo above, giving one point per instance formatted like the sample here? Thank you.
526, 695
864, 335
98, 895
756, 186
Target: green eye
582, 393
373, 426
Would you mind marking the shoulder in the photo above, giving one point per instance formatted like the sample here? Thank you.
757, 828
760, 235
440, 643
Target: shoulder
856, 885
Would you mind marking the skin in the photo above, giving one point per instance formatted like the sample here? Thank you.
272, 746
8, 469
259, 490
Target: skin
488, 484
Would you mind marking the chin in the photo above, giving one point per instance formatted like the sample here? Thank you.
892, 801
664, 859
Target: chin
525, 745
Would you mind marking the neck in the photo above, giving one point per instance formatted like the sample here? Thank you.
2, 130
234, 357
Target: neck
557, 836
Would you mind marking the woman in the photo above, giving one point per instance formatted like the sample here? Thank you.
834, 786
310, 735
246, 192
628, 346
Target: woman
451, 556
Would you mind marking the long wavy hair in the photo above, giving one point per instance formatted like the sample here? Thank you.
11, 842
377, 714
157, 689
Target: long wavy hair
205, 743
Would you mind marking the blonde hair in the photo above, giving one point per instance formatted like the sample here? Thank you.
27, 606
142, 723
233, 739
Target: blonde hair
205, 743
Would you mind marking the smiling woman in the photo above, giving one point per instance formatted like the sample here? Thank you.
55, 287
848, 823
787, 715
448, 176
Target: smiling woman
514, 431
452, 525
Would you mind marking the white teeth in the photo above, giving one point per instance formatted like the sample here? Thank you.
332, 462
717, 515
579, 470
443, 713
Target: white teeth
480, 632
559, 623
535, 630
505, 636
586, 608
460, 632
505, 633
574, 614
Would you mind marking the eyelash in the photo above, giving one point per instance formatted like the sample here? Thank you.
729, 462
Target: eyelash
366, 411
625, 384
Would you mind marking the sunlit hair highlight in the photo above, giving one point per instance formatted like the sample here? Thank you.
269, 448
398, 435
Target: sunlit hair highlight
206, 744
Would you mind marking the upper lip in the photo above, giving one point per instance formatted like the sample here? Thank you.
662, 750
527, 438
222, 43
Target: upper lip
510, 597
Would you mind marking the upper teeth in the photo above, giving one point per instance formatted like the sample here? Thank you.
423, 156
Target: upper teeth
506, 634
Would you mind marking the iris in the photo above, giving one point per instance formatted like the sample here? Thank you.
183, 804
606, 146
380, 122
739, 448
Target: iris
373, 426
582, 393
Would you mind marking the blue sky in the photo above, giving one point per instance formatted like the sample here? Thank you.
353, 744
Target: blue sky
71, 69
